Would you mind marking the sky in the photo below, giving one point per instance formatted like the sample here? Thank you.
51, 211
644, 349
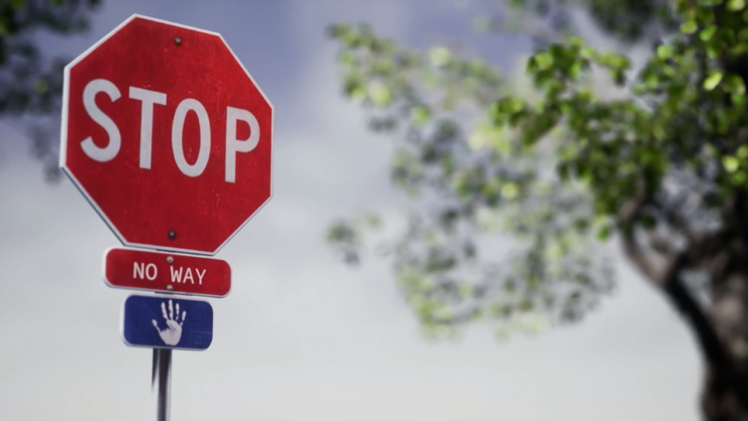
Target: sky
301, 336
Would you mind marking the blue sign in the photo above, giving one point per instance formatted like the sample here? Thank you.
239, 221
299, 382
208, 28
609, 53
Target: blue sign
165, 322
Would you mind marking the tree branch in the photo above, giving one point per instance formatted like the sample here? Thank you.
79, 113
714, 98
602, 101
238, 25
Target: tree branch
667, 278
679, 295
666, 275
642, 260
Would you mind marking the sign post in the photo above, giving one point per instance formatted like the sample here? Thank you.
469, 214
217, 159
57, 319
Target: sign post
169, 138
161, 384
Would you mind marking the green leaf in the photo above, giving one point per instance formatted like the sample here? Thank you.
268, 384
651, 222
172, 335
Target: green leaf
730, 163
742, 152
738, 100
736, 5
576, 41
587, 52
379, 93
488, 135
544, 60
707, 33
440, 56
603, 233
712, 81
509, 191
738, 178
689, 27
665, 51
734, 85
420, 115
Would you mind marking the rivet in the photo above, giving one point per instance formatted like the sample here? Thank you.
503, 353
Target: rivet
178, 41
172, 234
169, 259
170, 288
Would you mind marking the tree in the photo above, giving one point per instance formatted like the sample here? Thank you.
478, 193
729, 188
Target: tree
660, 164
30, 82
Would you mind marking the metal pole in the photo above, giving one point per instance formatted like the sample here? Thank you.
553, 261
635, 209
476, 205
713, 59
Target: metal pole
161, 384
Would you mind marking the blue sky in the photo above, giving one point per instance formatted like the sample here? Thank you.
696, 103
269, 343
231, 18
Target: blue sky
302, 336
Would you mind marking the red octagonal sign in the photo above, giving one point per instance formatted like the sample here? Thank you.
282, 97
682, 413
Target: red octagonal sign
167, 135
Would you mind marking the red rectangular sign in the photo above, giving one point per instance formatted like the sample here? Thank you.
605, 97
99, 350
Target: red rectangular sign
166, 272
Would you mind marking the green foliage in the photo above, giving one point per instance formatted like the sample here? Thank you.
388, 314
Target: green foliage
486, 184
29, 81
659, 162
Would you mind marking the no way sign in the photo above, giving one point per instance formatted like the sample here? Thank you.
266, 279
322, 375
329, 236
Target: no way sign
166, 272
167, 135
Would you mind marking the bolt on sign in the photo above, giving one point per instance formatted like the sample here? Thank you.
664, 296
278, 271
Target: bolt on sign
170, 140
167, 135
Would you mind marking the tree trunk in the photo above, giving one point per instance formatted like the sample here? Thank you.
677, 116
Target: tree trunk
725, 395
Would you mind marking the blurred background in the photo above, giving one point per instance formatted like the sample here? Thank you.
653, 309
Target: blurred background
303, 336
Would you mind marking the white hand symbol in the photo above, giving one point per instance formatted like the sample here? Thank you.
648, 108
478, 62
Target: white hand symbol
173, 332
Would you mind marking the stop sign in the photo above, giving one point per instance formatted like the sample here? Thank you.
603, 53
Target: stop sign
167, 135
